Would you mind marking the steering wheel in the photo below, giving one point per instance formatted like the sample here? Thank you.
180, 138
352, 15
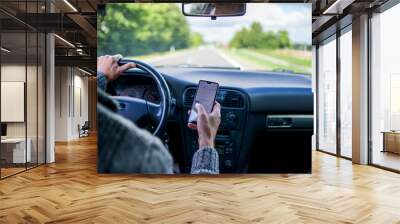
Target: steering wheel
141, 111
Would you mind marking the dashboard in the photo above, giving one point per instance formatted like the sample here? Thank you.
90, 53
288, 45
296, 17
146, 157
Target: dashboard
141, 87
266, 117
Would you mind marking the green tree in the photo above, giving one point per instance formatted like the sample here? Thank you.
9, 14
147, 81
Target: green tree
236, 41
196, 39
138, 29
270, 40
284, 40
255, 37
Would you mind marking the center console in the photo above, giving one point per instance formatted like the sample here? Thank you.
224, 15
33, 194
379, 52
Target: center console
230, 133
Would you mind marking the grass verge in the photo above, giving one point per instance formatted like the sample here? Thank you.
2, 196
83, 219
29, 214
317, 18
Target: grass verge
289, 63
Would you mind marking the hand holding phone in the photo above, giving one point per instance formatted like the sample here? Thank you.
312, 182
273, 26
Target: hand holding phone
207, 125
205, 114
205, 95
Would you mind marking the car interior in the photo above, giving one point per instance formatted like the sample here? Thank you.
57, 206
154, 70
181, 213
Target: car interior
266, 117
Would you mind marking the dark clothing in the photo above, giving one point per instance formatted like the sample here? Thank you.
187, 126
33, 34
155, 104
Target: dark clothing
125, 148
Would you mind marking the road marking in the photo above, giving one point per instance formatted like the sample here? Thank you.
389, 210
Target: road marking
168, 56
228, 59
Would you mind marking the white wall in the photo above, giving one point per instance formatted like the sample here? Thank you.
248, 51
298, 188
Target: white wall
61, 103
12, 73
13, 101
17, 73
71, 94
33, 125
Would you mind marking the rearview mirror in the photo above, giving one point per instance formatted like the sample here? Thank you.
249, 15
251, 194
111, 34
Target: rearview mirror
214, 10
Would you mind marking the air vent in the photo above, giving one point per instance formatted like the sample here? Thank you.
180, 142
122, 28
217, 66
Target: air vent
189, 97
227, 98
230, 98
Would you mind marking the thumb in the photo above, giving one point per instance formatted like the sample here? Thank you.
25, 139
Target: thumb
200, 109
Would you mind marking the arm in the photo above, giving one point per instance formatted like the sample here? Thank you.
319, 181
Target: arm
101, 81
206, 160
127, 148
157, 160
108, 69
124, 147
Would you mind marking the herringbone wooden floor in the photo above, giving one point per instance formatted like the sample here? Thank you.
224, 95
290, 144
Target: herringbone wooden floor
70, 191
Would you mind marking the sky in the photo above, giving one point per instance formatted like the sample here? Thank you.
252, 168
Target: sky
295, 18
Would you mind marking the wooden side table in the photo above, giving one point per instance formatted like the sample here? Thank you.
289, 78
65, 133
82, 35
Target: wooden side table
391, 141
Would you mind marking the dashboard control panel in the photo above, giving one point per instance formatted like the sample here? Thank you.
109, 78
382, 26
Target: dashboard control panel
229, 138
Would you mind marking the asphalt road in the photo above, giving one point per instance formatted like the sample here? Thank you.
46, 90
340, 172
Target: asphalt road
202, 56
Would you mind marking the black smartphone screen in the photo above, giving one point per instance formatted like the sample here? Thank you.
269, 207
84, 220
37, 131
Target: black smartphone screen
205, 95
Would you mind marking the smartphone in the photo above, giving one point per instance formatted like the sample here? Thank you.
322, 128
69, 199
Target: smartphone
205, 95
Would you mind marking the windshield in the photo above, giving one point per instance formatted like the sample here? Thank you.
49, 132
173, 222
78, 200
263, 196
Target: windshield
269, 37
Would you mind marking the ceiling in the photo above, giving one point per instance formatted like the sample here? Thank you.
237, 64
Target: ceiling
330, 15
75, 21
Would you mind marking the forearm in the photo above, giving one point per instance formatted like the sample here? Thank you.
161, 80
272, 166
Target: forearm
205, 161
101, 81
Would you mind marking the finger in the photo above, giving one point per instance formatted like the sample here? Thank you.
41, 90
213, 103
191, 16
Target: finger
125, 67
200, 109
192, 126
114, 67
202, 115
216, 110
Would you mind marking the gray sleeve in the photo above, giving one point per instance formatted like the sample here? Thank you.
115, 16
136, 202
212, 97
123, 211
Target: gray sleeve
125, 148
148, 151
157, 159
101, 81
205, 161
